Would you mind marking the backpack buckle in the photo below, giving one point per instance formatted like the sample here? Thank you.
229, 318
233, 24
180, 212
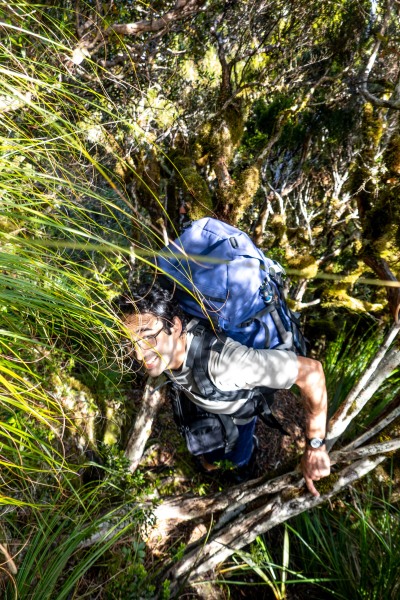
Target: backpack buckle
267, 292
277, 275
198, 330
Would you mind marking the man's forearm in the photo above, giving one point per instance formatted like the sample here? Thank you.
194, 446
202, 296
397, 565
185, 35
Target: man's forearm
311, 381
316, 417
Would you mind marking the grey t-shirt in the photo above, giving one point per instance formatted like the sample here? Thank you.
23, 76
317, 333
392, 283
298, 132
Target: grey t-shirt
238, 367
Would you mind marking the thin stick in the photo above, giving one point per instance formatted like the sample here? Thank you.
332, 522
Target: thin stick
12, 567
371, 432
358, 396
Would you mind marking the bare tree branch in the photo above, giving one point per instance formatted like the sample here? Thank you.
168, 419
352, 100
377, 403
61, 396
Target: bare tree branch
182, 9
394, 414
188, 508
281, 505
192, 507
360, 394
372, 59
378, 101
153, 397
203, 558
382, 269
386, 368
372, 450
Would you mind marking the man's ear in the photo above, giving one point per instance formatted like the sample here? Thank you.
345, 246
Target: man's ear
177, 325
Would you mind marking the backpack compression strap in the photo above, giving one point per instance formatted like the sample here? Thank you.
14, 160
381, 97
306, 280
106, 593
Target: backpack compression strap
285, 335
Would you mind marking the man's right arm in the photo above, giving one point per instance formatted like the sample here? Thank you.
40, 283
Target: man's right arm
315, 463
240, 367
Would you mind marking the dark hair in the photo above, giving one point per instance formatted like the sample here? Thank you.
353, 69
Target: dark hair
152, 299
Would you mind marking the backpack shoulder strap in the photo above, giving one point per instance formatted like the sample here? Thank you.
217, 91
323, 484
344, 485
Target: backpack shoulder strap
199, 355
204, 340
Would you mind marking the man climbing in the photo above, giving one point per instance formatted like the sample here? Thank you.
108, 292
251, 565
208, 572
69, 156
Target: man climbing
164, 342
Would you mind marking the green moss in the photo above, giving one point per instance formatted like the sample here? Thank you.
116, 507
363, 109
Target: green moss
364, 179
221, 143
386, 246
180, 161
326, 485
337, 296
352, 408
277, 225
392, 155
372, 125
234, 121
203, 138
246, 188
196, 193
225, 136
193, 186
292, 494
112, 430
306, 264
382, 439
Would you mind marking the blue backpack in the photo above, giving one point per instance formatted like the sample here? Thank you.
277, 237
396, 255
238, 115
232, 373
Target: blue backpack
220, 275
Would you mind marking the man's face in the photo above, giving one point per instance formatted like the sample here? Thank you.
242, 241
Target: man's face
153, 346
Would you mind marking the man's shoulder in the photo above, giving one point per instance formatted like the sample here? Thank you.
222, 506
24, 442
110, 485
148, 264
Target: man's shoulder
223, 347
231, 365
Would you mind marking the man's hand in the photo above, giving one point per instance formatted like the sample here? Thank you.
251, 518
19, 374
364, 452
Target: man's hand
315, 464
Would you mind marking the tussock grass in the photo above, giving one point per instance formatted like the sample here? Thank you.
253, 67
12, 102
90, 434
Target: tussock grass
66, 227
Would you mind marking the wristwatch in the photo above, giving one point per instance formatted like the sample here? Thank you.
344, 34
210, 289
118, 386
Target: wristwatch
315, 442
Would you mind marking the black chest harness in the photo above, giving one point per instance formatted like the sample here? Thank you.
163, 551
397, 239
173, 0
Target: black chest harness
205, 431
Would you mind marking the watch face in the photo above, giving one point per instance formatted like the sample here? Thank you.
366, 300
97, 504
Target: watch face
316, 442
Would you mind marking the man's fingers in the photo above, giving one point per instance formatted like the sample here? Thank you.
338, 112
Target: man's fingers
311, 487
315, 465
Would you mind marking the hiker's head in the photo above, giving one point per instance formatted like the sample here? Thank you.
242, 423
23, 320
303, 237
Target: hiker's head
156, 325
